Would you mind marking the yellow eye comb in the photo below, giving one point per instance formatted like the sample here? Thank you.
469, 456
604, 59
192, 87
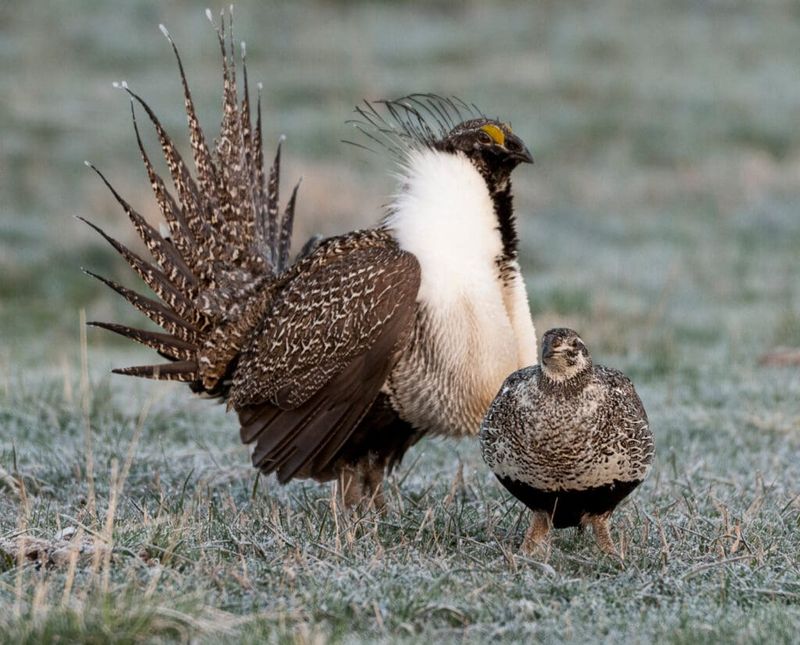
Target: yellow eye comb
498, 136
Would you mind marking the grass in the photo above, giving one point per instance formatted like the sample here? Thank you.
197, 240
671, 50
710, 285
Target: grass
711, 539
660, 221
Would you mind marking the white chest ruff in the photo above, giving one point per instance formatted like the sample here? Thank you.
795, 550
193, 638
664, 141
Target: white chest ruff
466, 341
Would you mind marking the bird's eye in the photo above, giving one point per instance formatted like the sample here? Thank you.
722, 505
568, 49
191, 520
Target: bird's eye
484, 137
555, 343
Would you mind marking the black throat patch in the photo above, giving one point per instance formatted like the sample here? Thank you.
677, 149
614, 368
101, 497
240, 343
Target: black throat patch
503, 202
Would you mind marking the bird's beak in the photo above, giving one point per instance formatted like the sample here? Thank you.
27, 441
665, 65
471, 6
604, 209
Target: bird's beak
523, 156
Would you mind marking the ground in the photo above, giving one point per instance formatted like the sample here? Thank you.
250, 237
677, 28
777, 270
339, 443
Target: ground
660, 220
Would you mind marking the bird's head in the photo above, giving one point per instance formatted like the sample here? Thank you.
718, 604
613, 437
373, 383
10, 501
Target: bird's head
448, 124
564, 354
489, 144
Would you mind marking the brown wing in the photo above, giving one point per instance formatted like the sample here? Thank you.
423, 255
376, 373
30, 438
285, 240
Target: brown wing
327, 346
626, 419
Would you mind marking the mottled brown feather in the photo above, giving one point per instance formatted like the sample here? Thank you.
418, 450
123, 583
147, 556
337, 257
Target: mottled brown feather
156, 280
163, 252
154, 310
185, 371
303, 441
165, 344
180, 233
325, 316
211, 273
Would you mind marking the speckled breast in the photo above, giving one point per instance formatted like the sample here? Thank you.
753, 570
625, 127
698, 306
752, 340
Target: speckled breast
561, 443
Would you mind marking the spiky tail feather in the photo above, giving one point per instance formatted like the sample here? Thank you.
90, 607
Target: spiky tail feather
227, 241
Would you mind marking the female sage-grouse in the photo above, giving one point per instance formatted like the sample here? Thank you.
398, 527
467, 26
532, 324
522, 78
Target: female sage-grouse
337, 363
568, 439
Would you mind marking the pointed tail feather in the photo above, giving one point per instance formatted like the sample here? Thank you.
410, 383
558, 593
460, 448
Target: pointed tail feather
166, 345
165, 254
230, 149
203, 161
259, 188
272, 212
179, 371
154, 310
287, 223
199, 218
156, 280
227, 242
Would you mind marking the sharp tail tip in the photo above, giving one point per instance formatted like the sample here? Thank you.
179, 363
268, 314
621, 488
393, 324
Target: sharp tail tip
281, 138
210, 16
164, 31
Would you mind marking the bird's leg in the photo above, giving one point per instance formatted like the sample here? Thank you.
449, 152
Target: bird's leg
373, 485
373, 470
537, 533
602, 535
361, 484
350, 485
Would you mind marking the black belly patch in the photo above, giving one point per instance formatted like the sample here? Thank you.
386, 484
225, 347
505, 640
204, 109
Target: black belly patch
566, 507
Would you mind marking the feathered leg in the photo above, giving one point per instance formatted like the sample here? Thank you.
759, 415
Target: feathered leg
361, 484
537, 533
373, 471
351, 489
602, 535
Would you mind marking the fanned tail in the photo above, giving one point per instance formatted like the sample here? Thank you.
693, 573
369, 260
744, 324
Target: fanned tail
227, 239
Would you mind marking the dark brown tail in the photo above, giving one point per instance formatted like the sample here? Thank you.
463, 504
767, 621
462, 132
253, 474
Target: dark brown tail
226, 243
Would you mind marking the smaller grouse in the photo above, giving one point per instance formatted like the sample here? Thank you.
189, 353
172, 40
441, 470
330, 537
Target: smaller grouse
568, 439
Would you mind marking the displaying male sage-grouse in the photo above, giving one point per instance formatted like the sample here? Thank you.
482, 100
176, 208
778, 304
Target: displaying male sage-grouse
338, 363
568, 439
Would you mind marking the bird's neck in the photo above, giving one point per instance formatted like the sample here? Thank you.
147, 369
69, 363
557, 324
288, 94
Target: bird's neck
503, 199
564, 383
446, 215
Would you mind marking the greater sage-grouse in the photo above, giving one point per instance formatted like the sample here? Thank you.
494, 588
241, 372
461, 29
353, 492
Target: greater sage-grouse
339, 362
568, 439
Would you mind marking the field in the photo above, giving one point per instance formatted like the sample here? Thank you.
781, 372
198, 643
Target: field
661, 220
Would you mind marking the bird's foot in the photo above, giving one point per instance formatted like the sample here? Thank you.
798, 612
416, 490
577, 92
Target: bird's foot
361, 486
350, 489
373, 488
536, 543
602, 534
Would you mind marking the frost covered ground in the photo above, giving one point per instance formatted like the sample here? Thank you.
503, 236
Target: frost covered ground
660, 220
